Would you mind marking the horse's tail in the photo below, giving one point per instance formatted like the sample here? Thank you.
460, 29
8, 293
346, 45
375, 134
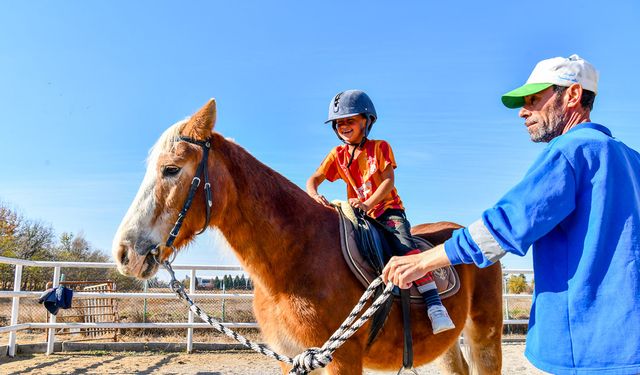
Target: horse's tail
379, 317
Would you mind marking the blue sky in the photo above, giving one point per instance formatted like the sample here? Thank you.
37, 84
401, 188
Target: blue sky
87, 87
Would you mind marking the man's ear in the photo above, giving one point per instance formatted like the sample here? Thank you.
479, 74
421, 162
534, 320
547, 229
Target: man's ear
574, 93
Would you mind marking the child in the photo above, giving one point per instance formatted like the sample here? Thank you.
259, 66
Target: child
367, 168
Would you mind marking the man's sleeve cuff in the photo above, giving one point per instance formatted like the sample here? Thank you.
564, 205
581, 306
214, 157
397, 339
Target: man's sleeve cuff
452, 254
488, 245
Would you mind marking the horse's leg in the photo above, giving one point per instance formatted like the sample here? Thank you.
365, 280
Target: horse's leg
452, 362
347, 360
286, 368
484, 326
338, 366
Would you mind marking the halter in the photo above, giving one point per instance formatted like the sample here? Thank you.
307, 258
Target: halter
202, 169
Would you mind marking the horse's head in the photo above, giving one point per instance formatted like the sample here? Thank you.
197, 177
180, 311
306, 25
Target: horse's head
143, 238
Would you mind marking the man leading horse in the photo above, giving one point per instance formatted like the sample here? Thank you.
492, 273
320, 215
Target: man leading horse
578, 207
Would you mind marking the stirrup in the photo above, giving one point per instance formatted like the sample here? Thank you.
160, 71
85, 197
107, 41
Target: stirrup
404, 370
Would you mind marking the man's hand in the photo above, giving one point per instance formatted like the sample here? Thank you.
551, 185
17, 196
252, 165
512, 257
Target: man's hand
404, 270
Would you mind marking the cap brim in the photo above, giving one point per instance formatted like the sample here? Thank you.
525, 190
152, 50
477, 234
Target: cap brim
515, 98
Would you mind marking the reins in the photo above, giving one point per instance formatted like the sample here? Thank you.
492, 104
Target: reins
303, 363
312, 358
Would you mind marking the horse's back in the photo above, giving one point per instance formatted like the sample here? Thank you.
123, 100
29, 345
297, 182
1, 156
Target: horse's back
436, 233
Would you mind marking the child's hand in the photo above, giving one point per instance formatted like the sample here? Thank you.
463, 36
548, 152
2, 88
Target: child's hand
321, 199
355, 202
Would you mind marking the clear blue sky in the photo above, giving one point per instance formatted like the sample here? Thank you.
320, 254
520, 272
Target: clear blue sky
86, 88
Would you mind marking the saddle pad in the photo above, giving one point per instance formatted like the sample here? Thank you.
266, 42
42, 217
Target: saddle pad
446, 278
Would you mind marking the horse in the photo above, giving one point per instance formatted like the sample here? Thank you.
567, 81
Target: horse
290, 245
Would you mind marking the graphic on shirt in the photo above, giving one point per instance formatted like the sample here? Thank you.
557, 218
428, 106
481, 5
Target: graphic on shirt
364, 175
371, 162
364, 191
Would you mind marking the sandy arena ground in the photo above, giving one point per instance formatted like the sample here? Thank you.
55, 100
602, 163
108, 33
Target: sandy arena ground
231, 362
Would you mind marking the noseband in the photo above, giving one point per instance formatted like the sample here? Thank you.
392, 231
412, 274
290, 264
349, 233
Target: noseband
202, 170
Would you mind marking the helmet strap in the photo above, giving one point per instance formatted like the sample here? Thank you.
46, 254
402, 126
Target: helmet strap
367, 128
352, 155
353, 152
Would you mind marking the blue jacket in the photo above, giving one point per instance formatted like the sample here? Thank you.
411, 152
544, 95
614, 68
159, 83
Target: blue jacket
578, 207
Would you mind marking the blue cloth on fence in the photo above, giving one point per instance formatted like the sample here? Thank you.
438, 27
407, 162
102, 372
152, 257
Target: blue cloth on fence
56, 298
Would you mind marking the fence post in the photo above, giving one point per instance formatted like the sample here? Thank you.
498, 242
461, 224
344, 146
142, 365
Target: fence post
507, 316
52, 318
224, 290
192, 290
144, 303
15, 310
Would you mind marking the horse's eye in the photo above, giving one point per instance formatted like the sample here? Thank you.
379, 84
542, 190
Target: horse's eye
170, 170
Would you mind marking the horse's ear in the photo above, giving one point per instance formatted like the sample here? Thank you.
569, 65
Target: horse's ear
200, 125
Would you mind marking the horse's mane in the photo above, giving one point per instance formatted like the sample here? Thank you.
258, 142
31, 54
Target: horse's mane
274, 187
272, 182
167, 141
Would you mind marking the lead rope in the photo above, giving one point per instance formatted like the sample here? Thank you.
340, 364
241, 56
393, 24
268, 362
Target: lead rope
312, 358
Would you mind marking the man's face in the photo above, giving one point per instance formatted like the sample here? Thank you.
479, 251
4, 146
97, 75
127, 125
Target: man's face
543, 115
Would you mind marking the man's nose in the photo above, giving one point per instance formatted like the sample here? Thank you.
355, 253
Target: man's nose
524, 113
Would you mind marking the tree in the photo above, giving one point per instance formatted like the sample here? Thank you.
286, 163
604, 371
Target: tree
35, 241
10, 222
227, 282
75, 248
517, 284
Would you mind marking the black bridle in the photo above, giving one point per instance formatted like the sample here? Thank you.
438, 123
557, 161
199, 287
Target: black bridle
202, 170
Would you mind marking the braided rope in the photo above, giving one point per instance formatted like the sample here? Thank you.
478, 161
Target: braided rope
312, 358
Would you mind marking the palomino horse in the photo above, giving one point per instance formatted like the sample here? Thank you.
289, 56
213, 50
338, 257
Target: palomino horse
291, 247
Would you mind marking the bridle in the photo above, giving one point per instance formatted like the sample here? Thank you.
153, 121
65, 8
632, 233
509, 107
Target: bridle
310, 359
204, 171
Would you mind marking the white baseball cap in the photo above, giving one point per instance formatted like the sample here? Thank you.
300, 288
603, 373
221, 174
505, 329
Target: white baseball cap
560, 71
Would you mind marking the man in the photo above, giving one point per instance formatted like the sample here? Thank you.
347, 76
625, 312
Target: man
578, 207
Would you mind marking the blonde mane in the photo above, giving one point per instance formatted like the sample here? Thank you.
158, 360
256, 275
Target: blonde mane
167, 141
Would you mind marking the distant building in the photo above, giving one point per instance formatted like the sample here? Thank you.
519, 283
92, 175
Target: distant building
208, 282
224, 282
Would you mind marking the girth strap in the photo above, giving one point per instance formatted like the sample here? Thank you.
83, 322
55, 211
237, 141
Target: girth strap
407, 354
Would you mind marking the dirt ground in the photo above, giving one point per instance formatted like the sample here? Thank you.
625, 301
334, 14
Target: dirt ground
214, 363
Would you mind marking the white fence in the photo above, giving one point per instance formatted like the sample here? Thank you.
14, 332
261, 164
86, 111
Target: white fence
52, 325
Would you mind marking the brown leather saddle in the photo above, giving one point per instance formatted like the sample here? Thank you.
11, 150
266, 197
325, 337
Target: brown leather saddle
447, 279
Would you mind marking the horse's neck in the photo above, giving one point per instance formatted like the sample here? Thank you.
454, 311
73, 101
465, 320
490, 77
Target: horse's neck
270, 222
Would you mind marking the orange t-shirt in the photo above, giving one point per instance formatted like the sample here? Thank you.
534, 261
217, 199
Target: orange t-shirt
364, 175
